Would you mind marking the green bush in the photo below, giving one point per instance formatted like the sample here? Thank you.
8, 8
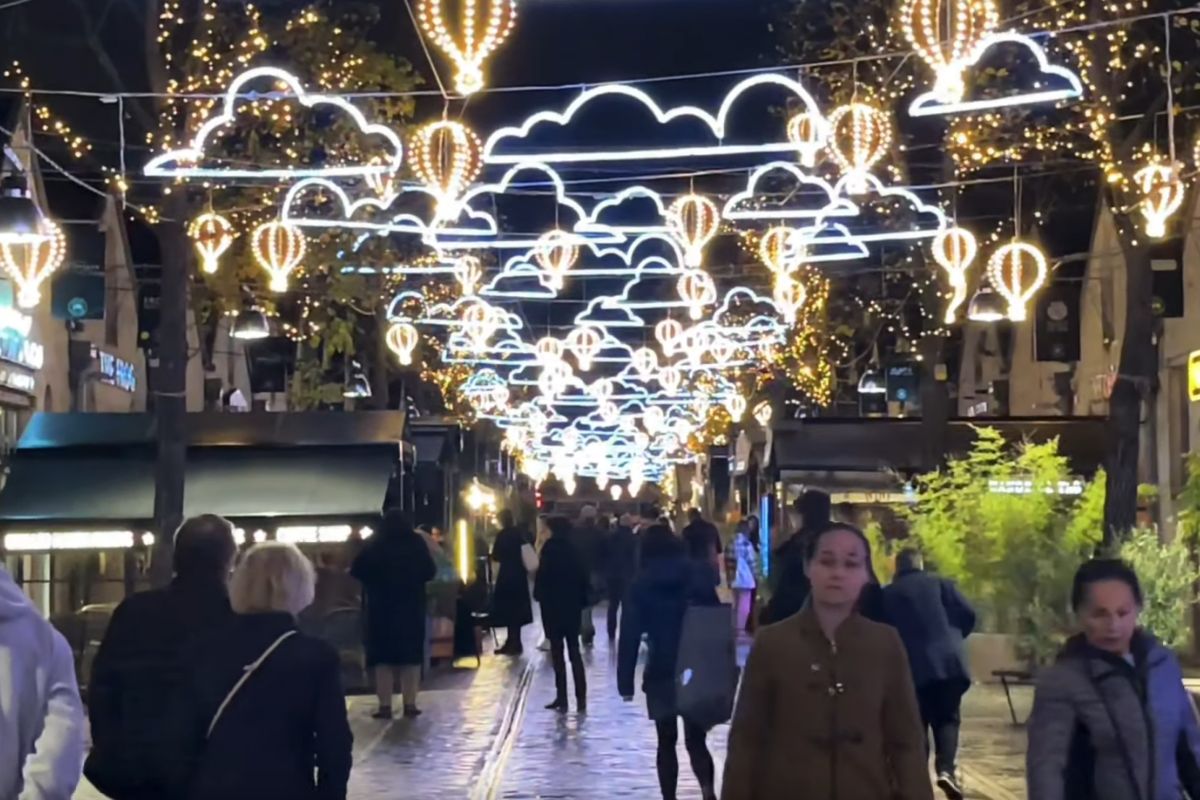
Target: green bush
1168, 576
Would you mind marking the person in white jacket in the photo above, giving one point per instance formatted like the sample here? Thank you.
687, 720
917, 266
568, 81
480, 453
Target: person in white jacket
41, 715
742, 569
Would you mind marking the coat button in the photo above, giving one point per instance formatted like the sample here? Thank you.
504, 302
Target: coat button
816, 667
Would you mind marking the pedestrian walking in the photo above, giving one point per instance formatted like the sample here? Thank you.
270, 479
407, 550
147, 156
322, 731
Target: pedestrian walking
561, 587
792, 586
1111, 717
141, 664
754, 534
511, 606
264, 716
668, 581
742, 570
828, 695
41, 715
589, 540
703, 540
933, 620
394, 567
620, 565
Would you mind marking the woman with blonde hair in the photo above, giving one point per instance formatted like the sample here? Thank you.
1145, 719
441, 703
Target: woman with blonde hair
265, 702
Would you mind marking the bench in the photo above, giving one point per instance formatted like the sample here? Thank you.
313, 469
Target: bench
1009, 678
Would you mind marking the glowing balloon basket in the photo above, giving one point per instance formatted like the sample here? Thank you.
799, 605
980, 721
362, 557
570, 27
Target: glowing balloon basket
446, 157
402, 339
1162, 195
29, 264
279, 248
213, 234
480, 27
694, 220
954, 250
861, 136
1017, 270
946, 34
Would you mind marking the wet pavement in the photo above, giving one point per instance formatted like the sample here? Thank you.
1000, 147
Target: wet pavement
486, 736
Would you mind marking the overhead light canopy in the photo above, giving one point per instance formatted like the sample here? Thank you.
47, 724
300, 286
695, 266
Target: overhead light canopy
987, 306
20, 220
251, 324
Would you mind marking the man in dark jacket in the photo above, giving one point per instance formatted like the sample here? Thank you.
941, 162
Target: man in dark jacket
139, 667
561, 586
589, 541
791, 587
620, 564
394, 567
933, 618
701, 536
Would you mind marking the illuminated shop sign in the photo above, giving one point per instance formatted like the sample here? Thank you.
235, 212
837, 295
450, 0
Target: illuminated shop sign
17, 380
16, 349
74, 540
115, 371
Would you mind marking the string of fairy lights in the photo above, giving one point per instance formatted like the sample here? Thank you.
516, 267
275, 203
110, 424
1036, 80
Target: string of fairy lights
640, 381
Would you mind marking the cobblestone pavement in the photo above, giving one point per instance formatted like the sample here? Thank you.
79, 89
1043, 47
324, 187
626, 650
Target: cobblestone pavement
486, 736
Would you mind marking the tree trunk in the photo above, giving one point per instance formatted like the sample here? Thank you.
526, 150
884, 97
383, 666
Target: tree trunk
935, 403
1135, 379
381, 391
170, 384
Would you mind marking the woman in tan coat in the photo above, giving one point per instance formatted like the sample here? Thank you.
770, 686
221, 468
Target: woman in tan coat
827, 709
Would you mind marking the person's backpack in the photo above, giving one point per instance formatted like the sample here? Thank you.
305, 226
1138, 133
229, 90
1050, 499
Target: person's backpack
706, 670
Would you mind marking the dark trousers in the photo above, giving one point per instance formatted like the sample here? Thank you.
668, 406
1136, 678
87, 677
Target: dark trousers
940, 705
513, 642
616, 588
560, 667
668, 762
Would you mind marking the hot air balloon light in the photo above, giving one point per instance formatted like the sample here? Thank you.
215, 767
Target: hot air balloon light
1017, 270
693, 219
954, 250
468, 271
402, 339
645, 361
808, 132
549, 350
1162, 195
279, 248
668, 332
735, 404
696, 288
212, 234
779, 252
670, 378
653, 419
482, 25
479, 323
446, 157
30, 263
556, 254
946, 34
790, 296
585, 344
861, 135
763, 413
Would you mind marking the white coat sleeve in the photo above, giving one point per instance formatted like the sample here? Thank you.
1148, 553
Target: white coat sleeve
53, 769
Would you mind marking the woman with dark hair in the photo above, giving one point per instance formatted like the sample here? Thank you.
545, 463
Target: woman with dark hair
561, 587
667, 583
792, 587
1111, 718
393, 567
827, 695
511, 606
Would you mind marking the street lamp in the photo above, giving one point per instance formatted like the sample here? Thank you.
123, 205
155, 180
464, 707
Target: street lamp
20, 220
986, 306
251, 324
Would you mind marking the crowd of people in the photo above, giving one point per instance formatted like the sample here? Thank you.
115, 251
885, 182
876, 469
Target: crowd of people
208, 688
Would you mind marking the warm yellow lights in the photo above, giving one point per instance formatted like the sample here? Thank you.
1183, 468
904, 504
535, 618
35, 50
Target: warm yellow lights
556, 254
736, 406
585, 344
954, 250
1162, 194
696, 288
212, 234
279, 248
778, 252
790, 296
463, 552
762, 413
807, 132
479, 498
479, 323
694, 221
861, 135
468, 271
402, 339
29, 264
1017, 270
946, 33
481, 26
446, 157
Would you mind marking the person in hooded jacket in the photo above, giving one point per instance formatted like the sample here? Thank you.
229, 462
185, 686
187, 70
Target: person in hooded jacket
561, 586
394, 567
1111, 718
41, 715
511, 605
792, 587
668, 581
263, 716
140, 665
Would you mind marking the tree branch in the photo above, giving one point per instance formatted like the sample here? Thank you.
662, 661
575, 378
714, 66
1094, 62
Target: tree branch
92, 38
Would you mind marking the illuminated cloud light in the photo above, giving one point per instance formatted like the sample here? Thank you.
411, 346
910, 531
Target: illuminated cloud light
931, 220
749, 204
450, 314
185, 162
608, 312
377, 212
569, 211
520, 282
838, 244
494, 153
649, 207
1068, 83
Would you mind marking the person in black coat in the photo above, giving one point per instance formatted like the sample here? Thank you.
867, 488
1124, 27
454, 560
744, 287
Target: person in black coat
561, 586
620, 556
791, 587
668, 581
264, 717
933, 618
140, 666
394, 567
511, 606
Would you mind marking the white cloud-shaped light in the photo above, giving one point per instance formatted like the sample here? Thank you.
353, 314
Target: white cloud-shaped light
795, 201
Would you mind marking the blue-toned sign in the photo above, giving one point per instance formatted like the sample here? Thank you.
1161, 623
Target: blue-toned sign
115, 371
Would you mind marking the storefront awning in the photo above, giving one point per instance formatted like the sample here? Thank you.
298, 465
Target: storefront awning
81, 486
